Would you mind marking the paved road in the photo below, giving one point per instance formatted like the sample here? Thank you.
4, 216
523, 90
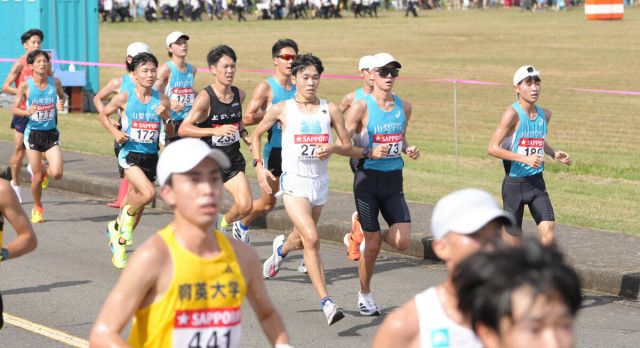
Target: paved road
64, 282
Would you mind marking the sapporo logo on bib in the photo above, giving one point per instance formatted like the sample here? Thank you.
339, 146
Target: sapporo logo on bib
144, 131
225, 140
44, 112
392, 141
215, 327
306, 145
184, 95
531, 146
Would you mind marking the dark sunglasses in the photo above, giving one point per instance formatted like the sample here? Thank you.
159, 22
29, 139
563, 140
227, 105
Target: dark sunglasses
384, 72
287, 56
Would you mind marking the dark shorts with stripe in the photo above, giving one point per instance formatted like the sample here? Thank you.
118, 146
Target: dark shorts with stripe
147, 162
532, 191
238, 164
274, 161
19, 123
380, 192
43, 140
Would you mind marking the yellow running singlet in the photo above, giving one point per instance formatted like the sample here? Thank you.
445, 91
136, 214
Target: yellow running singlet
201, 307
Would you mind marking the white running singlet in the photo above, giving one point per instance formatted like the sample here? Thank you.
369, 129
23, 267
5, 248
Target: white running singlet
436, 329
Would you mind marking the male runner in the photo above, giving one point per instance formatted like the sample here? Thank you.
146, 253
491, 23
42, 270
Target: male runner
520, 141
19, 73
270, 91
144, 110
520, 297
42, 94
382, 118
116, 85
25, 241
176, 78
216, 117
353, 239
306, 146
185, 285
463, 222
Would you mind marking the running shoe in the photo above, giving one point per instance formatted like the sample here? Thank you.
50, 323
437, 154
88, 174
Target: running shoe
111, 230
271, 266
240, 233
332, 312
45, 179
354, 239
367, 305
227, 229
37, 215
302, 268
18, 191
119, 258
127, 223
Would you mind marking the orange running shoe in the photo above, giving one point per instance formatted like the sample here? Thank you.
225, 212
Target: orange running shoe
354, 238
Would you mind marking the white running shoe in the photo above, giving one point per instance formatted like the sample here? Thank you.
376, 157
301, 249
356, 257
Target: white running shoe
332, 312
271, 266
16, 189
302, 268
367, 305
240, 233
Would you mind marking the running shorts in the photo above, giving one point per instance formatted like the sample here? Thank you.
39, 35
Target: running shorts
355, 164
147, 162
530, 190
19, 123
380, 192
314, 189
238, 165
274, 161
42, 141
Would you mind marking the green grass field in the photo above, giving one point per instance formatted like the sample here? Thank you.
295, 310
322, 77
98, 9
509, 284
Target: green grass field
601, 190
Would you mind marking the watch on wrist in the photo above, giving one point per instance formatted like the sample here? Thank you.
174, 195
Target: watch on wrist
166, 122
4, 254
256, 161
365, 152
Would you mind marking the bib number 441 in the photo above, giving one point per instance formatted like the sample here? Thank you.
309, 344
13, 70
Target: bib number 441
215, 339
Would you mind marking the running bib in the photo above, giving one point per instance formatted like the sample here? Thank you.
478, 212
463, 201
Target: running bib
531, 146
225, 140
44, 112
144, 132
207, 328
183, 95
306, 145
392, 141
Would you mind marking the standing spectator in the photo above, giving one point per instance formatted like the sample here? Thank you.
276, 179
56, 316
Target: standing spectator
240, 7
411, 7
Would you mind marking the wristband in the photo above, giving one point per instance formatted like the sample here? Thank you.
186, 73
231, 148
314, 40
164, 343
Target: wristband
244, 131
256, 161
166, 122
4, 254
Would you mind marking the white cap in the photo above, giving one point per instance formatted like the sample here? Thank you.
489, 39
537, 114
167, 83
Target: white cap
383, 59
174, 36
367, 62
136, 48
523, 72
183, 155
465, 212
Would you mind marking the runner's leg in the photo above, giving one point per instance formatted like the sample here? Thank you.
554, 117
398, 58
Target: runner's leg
54, 157
18, 155
35, 160
238, 187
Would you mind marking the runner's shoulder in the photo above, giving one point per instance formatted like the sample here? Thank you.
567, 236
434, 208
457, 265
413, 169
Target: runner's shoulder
153, 254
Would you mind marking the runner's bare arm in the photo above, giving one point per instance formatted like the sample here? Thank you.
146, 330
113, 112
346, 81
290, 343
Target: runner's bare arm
267, 315
343, 146
133, 287
411, 151
271, 116
60, 92
162, 78
10, 208
244, 134
111, 87
399, 329
257, 104
165, 115
119, 101
557, 155
346, 102
22, 93
11, 78
507, 124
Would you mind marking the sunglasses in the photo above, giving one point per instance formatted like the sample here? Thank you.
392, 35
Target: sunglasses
287, 56
384, 71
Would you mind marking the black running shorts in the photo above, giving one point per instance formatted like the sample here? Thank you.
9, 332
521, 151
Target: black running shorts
238, 165
42, 141
147, 162
531, 191
379, 192
274, 161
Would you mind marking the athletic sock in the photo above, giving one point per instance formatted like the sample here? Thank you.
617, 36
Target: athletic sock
324, 301
223, 222
279, 250
242, 226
